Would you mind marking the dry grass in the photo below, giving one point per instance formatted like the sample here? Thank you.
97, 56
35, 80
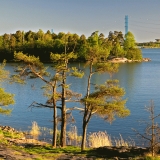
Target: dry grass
73, 138
121, 142
35, 130
1, 135
100, 139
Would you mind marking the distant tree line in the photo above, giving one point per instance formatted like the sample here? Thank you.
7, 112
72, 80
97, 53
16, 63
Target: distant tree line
149, 44
41, 44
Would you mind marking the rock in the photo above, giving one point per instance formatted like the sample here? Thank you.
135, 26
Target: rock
146, 59
119, 60
121, 152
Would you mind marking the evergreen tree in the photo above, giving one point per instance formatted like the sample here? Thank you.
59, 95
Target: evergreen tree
61, 66
106, 101
5, 98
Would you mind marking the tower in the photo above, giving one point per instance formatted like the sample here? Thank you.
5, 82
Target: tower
126, 24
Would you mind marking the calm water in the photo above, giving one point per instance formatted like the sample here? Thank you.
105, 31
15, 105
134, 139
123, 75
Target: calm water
140, 80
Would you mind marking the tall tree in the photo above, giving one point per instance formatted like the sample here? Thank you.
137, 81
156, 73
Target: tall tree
32, 65
106, 101
6, 39
132, 52
129, 41
61, 66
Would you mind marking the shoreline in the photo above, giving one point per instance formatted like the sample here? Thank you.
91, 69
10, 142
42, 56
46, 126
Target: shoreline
19, 149
125, 60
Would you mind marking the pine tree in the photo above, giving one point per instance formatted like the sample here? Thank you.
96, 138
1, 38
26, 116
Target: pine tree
106, 101
5, 97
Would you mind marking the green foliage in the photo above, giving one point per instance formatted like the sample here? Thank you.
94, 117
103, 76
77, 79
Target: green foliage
30, 60
77, 73
11, 134
129, 41
134, 54
131, 51
5, 98
3, 73
109, 68
118, 51
151, 158
41, 44
107, 101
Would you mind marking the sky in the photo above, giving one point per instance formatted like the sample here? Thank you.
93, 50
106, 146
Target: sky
82, 16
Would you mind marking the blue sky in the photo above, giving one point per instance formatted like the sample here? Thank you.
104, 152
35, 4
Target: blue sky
82, 16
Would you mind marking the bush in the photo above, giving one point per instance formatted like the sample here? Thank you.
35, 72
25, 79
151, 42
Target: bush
134, 54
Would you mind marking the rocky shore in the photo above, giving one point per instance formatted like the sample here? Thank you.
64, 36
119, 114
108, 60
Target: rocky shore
125, 60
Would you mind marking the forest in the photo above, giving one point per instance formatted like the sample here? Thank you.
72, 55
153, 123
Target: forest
41, 44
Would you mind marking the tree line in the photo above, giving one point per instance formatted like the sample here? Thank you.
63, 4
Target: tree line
41, 44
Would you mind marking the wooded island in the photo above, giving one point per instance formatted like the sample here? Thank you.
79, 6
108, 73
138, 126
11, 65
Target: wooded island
41, 44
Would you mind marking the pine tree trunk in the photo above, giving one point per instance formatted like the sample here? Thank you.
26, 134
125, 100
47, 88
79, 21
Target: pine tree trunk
83, 144
63, 113
63, 127
54, 128
54, 142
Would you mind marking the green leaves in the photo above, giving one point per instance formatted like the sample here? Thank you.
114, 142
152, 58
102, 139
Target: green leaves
129, 41
6, 98
76, 73
62, 57
107, 67
106, 101
3, 73
30, 60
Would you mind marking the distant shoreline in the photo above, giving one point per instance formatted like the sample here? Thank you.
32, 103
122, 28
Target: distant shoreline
147, 47
125, 60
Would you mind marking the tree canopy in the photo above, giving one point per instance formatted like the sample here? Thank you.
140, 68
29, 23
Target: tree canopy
41, 44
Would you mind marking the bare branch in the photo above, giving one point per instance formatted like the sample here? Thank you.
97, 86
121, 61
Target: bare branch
141, 134
74, 108
41, 105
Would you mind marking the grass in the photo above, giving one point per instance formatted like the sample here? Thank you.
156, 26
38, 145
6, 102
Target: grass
46, 152
11, 134
151, 158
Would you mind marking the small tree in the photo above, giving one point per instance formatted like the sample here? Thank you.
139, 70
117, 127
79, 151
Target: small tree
32, 65
61, 66
5, 98
152, 130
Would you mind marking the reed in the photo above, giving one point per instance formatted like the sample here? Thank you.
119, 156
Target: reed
99, 139
73, 138
35, 130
